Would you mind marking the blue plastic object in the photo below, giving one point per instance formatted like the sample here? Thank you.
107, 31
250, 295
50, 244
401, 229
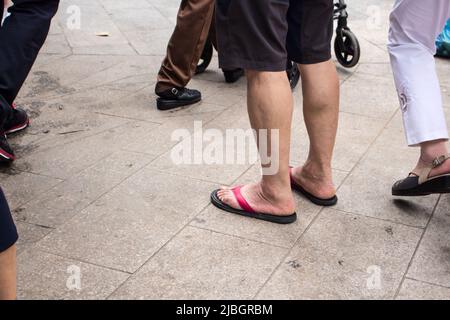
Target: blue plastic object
443, 42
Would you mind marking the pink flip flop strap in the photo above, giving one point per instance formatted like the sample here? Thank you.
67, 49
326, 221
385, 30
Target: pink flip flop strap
241, 200
291, 177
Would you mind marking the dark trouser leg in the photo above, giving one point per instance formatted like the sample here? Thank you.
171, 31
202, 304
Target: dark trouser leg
21, 37
5, 112
186, 44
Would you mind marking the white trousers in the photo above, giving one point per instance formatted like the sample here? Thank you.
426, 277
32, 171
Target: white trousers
414, 26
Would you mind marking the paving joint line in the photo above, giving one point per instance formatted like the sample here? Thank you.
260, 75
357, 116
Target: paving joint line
397, 292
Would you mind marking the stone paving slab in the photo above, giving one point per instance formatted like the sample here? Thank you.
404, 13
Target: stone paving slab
223, 267
69, 197
416, 290
158, 205
432, 261
344, 256
95, 187
46, 276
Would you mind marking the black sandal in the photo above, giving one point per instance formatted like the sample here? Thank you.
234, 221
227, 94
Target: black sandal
248, 211
420, 184
316, 200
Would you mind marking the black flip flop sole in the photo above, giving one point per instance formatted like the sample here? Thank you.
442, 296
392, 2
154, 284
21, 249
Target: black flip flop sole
438, 185
164, 105
318, 201
260, 216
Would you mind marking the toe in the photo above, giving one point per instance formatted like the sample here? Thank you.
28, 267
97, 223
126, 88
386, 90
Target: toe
222, 194
230, 200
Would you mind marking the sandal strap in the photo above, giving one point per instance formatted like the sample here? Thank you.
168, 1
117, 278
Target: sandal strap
241, 200
424, 174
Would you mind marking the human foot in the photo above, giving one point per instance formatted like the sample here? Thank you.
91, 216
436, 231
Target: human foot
259, 199
314, 182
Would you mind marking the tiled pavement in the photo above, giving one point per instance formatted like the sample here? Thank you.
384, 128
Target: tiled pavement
94, 189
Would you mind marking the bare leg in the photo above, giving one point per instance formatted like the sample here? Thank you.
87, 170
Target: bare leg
8, 274
321, 112
270, 106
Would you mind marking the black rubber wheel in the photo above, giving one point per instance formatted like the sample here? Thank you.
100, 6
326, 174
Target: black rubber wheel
205, 58
347, 48
293, 74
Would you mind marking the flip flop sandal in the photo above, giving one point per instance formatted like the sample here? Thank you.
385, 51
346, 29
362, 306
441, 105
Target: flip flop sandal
420, 184
316, 200
247, 210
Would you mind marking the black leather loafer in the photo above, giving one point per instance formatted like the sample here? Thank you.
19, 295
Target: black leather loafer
231, 76
177, 97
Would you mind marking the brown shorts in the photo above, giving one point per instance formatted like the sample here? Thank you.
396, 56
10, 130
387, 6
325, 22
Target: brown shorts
263, 34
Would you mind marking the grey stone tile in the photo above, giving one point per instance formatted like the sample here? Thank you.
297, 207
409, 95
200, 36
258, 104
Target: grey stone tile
432, 260
200, 264
142, 106
446, 98
68, 198
56, 44
145, 137
93, 20
59, 77
104, 49
221, 93
55, 124
131, 75
29, 235
43, 276
112, 6
136, 219
367, 190
218, 169
344, 256
358, 96
416, 290
142, 19
149, 42
442, 66
44, 59
370, 19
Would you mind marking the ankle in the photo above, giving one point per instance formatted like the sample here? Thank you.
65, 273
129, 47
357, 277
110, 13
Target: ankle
317, 170
275, 191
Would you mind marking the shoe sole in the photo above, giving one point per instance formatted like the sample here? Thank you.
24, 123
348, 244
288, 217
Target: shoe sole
6, 156
18, 128
165, 105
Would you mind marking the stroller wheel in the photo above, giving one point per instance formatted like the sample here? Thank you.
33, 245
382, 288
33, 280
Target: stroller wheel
347, 48
293, 74
205, 58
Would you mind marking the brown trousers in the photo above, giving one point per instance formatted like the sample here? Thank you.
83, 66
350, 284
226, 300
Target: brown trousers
186, 45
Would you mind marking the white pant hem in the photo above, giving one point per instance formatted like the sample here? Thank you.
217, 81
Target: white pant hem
416, 140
